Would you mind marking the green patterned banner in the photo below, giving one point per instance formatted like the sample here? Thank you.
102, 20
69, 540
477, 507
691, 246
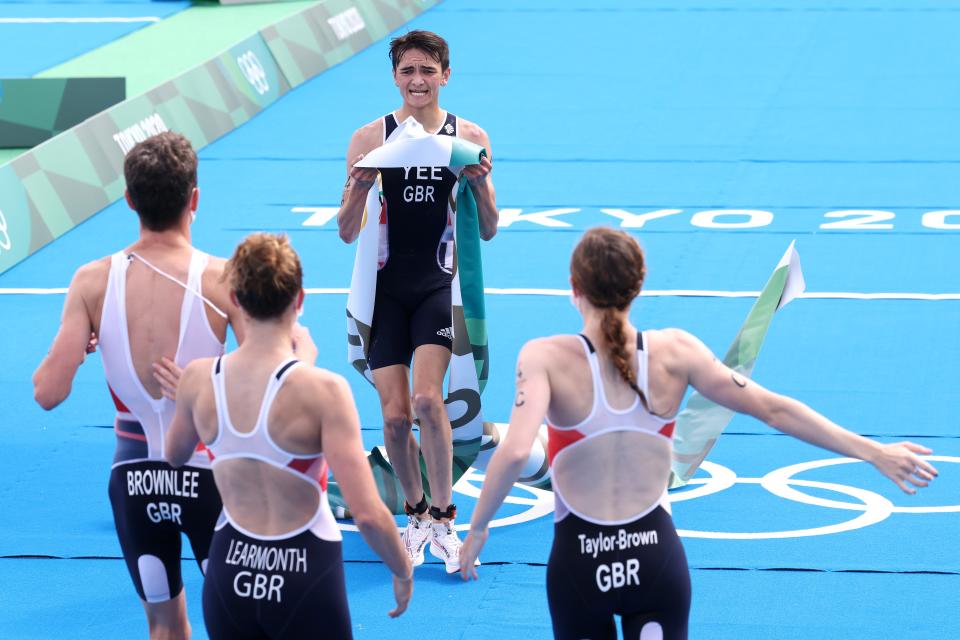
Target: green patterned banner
332, 31
33, 110
54, 187
69, 178
701, 422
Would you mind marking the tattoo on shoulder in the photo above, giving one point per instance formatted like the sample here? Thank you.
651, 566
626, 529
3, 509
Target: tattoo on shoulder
738, 380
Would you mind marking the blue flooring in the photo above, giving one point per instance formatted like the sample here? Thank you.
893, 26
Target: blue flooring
796, 108
27, 49
727, 605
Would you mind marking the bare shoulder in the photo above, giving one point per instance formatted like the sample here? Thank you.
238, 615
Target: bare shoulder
90, 280
473, 132
671, 337
216, 264
93, 272
367, 137
213, 274
674, 348
320, 384
552, 348
197, 368
193, 376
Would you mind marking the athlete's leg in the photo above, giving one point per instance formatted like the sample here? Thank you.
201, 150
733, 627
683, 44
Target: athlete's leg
226, 614
322, 610
430, 362
572, 616
393, 386
668, 604
199, 516
653, 627
168, 619
151, 550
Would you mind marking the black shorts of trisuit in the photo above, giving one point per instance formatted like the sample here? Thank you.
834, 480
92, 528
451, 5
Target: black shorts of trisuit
291, 588
412, 308
152, 504
639, 573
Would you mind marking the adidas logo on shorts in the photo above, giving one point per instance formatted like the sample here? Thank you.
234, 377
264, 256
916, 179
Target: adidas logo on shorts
447, 333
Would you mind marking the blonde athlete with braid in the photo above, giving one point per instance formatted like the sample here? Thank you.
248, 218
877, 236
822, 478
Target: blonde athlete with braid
610, 397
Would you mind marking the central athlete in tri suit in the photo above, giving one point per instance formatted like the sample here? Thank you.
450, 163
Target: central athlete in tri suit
272, 422
153, 307
411, 318
610, 397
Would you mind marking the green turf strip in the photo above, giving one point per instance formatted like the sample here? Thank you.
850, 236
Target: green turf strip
157, 53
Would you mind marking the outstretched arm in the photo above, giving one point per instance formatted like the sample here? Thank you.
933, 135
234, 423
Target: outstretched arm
53, 379
344, 452
719, 383
529, 408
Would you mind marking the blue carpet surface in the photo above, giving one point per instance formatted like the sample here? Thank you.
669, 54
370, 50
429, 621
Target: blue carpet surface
601, 111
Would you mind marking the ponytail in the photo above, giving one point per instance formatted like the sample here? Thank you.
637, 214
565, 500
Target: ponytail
616, 341
607, 267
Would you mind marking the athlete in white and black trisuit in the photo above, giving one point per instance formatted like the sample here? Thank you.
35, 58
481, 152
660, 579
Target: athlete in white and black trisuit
411, 318
272, 422
610, 396
158, 302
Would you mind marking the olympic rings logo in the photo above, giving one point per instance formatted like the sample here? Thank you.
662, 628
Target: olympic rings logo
781, 482
5, 243
254, 72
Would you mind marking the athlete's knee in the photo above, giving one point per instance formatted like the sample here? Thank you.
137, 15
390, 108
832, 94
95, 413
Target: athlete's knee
170, 632
428, 405
396, 425
168, 620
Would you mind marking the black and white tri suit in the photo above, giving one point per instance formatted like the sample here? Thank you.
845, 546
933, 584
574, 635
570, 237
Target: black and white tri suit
633, 566
412, 306
289, 585
153, 502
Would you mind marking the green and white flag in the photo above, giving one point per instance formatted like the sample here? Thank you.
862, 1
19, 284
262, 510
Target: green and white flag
425, 149
410, 146
701, 422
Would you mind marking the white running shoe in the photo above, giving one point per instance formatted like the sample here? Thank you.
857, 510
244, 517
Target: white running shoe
445, 544
415, 538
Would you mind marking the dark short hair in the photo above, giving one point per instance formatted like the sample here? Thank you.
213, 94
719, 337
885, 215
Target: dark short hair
161, 173
426, 41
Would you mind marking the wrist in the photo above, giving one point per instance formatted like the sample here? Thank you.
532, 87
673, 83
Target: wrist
358, 194
479, 183
872, 451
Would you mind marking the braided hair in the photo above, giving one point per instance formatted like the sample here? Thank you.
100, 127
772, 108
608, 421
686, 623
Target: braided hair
607, 268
